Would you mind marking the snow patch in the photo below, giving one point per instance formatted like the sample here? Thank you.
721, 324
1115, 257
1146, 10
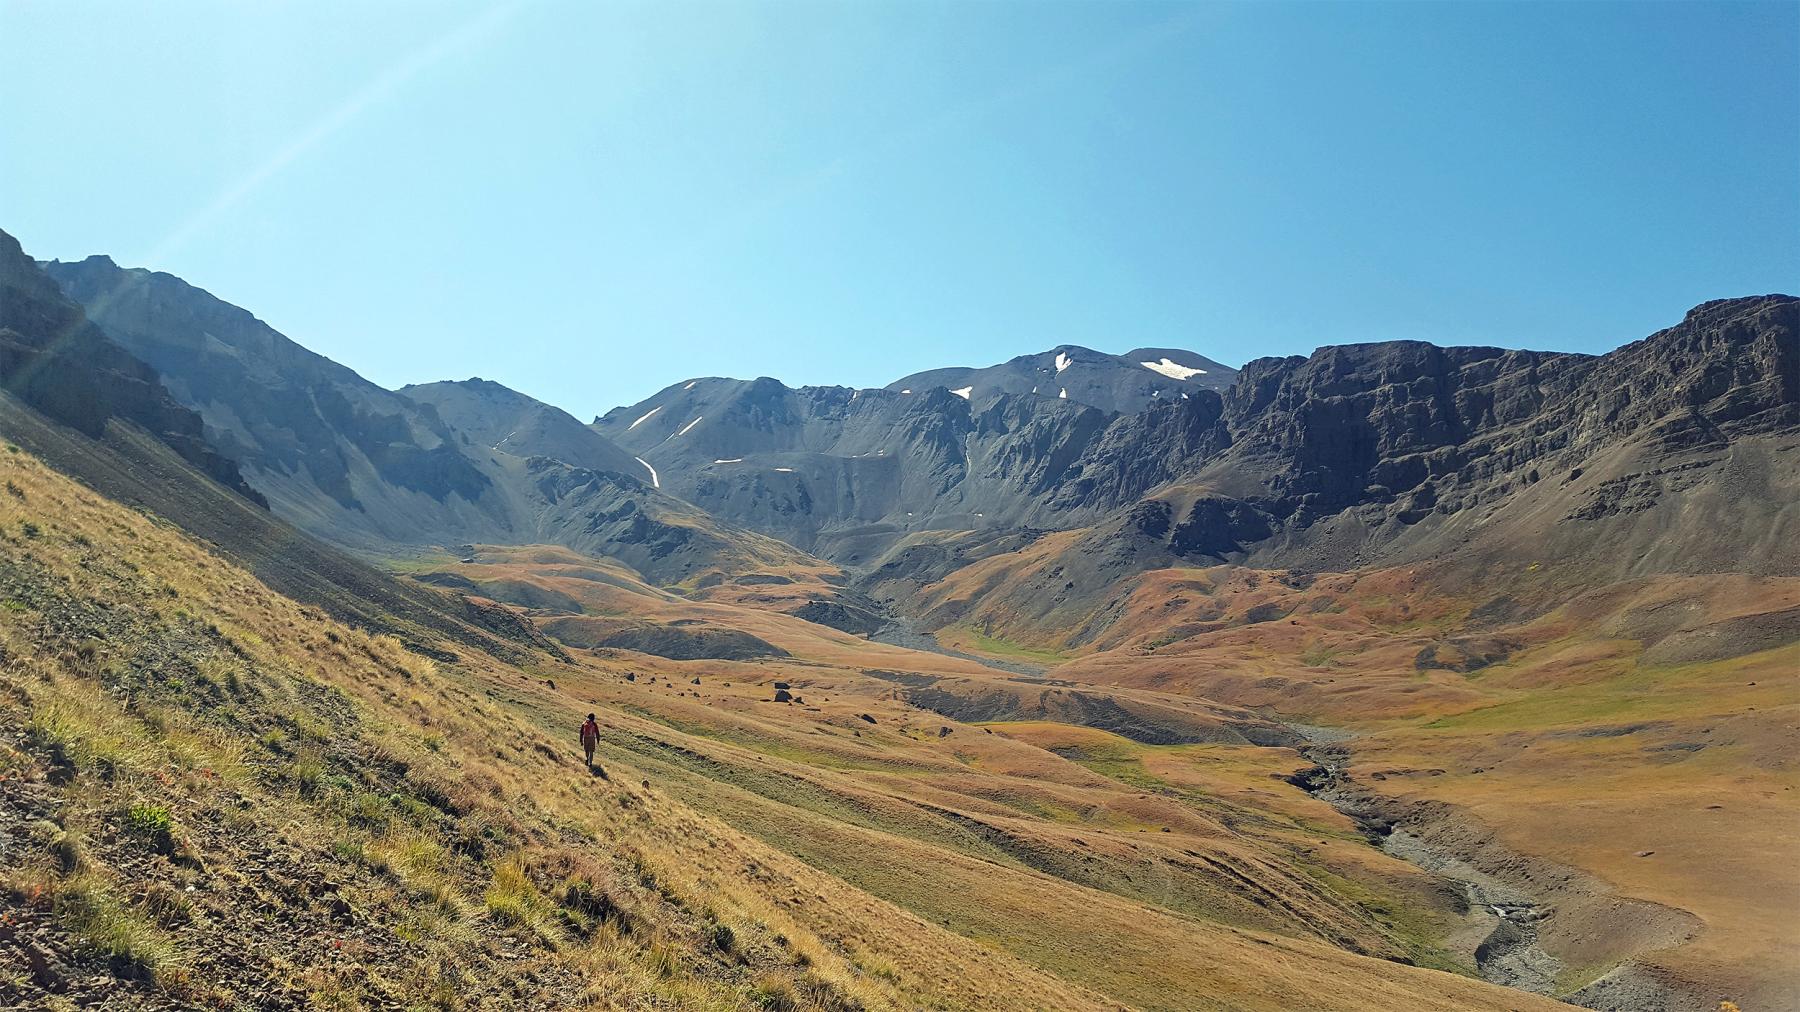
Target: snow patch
729, 460
692, 385
906, 391
1063, 361
1065, 393
685, 428
785, 470
1172, 369
655, 482
642, 418
963, 392
1184, 395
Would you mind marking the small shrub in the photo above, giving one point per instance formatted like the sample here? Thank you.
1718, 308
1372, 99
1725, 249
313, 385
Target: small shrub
154, 823
67, 851
513, 899
774, 993
723, 938
368, 810
662, 958
306, 773
132, 946
167, 905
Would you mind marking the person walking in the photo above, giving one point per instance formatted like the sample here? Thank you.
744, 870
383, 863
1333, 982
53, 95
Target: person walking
590, 737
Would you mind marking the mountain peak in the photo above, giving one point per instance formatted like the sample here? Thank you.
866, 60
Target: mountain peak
1126, 383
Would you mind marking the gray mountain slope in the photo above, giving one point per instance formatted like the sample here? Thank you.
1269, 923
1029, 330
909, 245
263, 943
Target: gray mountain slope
1119, 383
378, 471
845, 472
503, 419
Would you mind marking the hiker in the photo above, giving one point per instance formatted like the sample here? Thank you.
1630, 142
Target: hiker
590, 737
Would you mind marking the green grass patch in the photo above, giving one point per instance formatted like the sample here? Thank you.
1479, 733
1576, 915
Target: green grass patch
1001, 647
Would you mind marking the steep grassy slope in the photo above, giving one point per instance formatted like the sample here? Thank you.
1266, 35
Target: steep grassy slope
128, 465
199, 760
216, 795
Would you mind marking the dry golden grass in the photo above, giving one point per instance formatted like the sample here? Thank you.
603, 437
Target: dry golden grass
447, 797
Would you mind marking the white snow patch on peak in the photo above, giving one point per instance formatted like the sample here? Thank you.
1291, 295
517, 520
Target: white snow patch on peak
655, 482
1172, 369
1065, 393
729, 460
963, 392
1063, 361
785, 470
691, 385
642, 418
685, 428
906, 391
1184, 395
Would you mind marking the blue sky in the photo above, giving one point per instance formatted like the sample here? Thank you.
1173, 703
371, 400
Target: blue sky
588, 201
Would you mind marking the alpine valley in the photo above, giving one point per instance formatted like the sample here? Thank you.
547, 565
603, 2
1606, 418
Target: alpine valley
1395, 676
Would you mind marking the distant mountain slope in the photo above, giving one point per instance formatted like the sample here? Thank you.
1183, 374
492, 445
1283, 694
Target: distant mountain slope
504, 419
1679, 453
1123, 383
54, 359
376, 470
1303, 459
847, 472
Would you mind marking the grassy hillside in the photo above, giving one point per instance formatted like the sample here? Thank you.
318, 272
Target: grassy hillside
215, 795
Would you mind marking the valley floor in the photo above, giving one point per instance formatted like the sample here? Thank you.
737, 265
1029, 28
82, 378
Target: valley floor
218, 797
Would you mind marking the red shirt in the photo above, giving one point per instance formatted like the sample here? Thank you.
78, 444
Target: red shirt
590, 733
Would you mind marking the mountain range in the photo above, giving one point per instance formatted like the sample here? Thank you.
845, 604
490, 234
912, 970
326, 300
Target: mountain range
1139, 648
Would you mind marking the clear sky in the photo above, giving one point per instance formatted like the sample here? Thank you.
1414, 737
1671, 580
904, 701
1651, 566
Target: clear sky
589, 200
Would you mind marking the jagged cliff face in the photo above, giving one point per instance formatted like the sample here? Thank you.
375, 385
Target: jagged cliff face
1331, 458
54, 359
1397, 435
1677, 454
